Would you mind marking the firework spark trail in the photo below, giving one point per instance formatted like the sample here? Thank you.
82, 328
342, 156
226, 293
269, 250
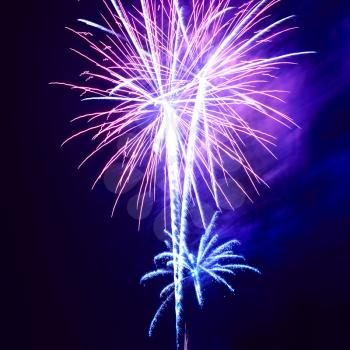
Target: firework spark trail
184, 88
174, 194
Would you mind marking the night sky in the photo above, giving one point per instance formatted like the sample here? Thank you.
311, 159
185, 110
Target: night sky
77, 269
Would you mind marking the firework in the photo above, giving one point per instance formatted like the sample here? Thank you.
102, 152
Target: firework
212, 260
186, 85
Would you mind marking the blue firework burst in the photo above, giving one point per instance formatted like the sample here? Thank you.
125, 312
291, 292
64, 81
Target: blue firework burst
213, 261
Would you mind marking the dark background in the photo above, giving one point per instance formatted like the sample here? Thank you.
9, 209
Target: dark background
77, 270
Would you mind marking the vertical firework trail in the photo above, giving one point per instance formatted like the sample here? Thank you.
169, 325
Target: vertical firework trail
192, 90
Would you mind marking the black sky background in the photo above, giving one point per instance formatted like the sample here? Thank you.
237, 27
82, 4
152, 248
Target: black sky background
77, 270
